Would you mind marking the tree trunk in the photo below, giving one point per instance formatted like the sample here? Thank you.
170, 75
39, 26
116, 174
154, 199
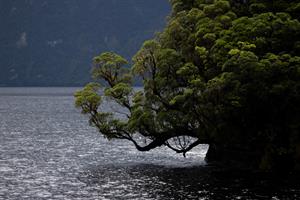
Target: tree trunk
232, 156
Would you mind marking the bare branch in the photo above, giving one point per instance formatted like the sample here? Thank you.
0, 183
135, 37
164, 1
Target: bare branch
188, 148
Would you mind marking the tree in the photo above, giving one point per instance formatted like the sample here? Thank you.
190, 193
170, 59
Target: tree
223, 73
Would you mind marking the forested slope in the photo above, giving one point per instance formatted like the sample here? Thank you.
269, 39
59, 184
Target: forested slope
51, 42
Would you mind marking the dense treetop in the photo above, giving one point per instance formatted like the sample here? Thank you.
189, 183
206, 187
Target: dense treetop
224, 73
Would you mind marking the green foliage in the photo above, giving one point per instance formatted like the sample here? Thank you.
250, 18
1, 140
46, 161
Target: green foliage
88, 99
110, 67
226, 73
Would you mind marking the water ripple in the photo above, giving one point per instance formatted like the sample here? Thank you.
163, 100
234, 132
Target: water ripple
47, 151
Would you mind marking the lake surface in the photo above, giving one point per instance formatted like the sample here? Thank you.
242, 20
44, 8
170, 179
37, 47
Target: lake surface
48, 151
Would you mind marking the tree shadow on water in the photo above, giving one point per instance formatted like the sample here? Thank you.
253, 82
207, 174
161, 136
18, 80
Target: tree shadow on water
146, 181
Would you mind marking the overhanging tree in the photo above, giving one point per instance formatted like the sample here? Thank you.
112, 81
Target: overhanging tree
223, 73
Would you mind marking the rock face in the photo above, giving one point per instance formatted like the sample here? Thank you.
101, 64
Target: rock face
40, 38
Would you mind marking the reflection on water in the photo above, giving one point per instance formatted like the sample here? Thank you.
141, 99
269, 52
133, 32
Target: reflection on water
47, 151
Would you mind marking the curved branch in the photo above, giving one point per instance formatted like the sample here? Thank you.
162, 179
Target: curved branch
160, 140
155, 143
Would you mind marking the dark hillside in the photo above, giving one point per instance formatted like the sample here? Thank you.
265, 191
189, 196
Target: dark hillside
52, 42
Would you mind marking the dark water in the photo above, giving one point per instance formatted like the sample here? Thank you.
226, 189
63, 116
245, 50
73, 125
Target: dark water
47, 151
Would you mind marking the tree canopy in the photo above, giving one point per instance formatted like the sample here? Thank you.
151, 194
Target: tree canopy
223, 72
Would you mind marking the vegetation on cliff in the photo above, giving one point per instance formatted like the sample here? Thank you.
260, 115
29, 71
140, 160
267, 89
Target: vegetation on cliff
223, 73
